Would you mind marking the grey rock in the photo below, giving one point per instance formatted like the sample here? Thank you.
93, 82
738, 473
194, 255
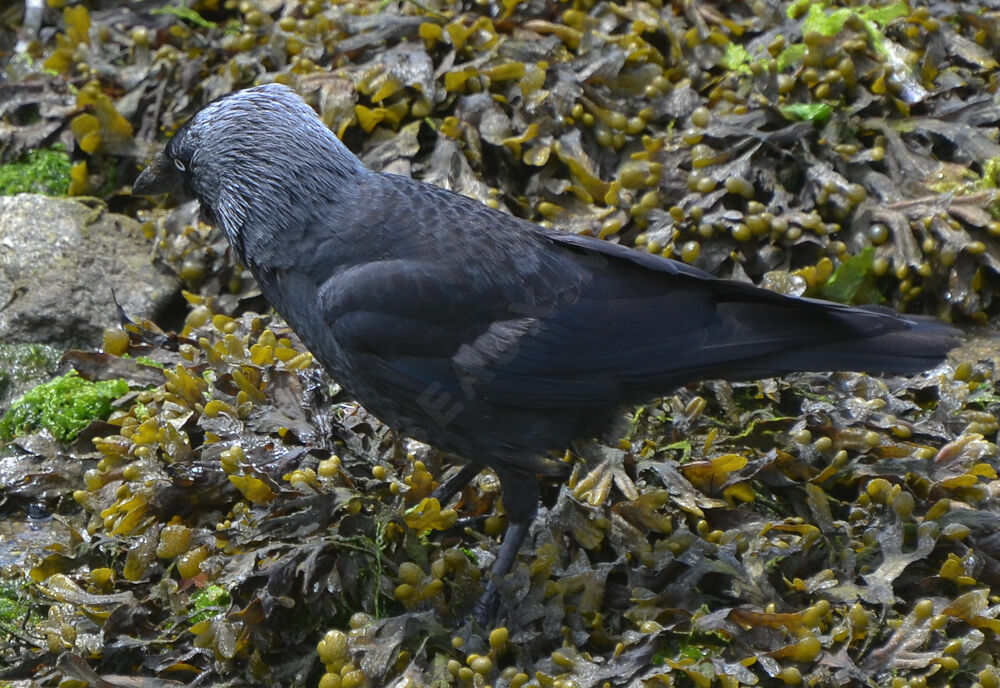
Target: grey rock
60, 260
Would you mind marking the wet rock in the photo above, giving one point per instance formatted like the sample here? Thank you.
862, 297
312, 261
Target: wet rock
59, 262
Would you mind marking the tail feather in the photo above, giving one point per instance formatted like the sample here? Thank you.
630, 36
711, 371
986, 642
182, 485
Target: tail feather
923, 345
871, 340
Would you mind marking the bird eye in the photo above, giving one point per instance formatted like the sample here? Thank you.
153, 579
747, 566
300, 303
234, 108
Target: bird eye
180, 166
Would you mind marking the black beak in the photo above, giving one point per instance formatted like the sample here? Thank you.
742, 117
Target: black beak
160, 176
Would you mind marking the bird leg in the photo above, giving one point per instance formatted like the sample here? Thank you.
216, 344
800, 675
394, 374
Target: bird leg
447, 489
520, 497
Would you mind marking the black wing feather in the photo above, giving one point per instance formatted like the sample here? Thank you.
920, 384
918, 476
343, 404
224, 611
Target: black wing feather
520, 316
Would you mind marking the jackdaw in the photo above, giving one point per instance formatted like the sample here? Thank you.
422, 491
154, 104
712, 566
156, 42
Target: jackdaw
479, 333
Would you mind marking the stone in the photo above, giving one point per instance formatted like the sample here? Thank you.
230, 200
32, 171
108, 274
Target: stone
60, 259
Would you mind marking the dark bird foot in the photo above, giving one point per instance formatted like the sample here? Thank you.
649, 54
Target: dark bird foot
484, 613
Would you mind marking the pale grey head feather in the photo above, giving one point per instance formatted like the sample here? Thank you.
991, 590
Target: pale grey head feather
262, 164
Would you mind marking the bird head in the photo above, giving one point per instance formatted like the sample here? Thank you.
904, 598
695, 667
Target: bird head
257, 160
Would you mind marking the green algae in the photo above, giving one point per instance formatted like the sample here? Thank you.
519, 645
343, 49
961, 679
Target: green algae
64, 406
44, 171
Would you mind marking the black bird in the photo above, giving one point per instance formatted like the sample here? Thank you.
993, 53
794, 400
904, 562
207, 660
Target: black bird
484, 335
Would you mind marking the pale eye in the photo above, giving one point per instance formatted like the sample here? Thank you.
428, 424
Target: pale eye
180, 166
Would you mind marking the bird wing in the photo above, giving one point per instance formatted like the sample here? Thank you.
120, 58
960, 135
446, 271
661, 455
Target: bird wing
483, 306
422, 327
568, 331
